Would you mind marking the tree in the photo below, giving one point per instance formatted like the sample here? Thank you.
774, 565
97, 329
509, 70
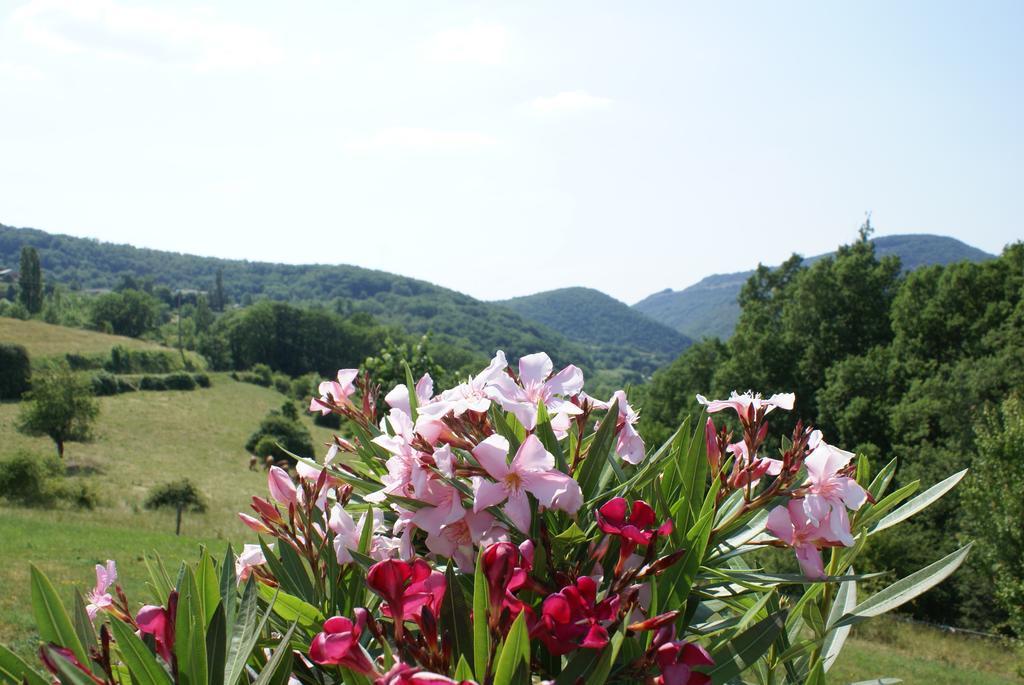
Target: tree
30, 281
61, 406
179, 495
15, 371
129, 312
219, 299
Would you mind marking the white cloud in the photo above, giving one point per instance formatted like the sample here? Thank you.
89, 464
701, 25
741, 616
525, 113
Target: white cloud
478, 43
420, 139
196, 38
568, 101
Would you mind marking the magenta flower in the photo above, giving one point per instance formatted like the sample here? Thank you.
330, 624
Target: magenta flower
536, 385
406, 587
677, 659
749, 401
335, 392
155, 621
636, 527
532, 471
338, 644
791, 525
98, 597
830, 492
573, 618
282, 489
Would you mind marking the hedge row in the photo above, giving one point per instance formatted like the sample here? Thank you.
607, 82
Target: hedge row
112, 384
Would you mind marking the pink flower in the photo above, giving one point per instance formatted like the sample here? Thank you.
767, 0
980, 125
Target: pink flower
348, 533
254, 523
156, 621
402, 674
677, 658
251, 556
335, 392
536, 385
749, 402
458, 540
398, 398
98, 597
573, 618
469, 396
446, 507
282, 489
746, 470
791, 525
629, 445
830, 492
531, 471
338, 644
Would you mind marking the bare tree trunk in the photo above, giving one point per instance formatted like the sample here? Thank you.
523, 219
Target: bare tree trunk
177, 525
60, 448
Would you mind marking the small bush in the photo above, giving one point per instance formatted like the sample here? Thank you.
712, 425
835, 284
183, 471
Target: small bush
123, 360
108, 384
85, 362
282, 383
15, 371
332, 420
179, 381
32, 481
276, 432
261, 374
152, 383
179, 495
201, 379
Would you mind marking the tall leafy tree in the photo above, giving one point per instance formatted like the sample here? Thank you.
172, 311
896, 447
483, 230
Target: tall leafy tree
30, 280
60, 405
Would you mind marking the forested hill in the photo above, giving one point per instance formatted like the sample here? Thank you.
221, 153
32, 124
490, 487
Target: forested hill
611, 329
414, 305
709, 308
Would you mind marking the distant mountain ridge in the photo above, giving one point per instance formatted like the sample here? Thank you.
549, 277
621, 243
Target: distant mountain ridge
612, 330
708, 308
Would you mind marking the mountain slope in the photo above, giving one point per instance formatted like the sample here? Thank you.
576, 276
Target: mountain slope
415, 305
709, 309
615, 334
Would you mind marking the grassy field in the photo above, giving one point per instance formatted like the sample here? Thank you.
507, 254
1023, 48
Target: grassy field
46, 340
142, 439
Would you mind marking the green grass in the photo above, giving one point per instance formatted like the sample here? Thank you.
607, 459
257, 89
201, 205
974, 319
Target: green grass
922, 655
141, 439
47, 340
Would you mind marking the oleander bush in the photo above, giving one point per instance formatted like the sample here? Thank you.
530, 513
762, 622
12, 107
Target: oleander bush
513, 530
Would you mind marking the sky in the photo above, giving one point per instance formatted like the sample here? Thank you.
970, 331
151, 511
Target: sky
502, 149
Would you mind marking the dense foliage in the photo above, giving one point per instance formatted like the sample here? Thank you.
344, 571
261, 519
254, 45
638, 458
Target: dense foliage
615, 334
30, 281
417, 307
889, 362
15, 371
709, 308
280, 436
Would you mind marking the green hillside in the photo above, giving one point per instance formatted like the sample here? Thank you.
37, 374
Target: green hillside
709, 309
416, 306
616, 334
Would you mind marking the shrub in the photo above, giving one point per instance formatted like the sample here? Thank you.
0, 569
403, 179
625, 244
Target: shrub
15, 371
85, 362
60, 405
179, 381
282, 383
153, 383
201, 379
28, 480
109, 384
123, 360
262, 375
282, 432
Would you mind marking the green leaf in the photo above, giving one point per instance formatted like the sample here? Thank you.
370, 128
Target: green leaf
52, 620
513, 667
592, 466
879, 681
291, 608
845, 601
228, 586
454, 611
160, 585
739, 653
692, 465
279, 665
906, 589
546, 435
591, 665
604, 664
83, 625
481, 633
881, 482
190, 632
146, 670
462, 671
216, 646
68, 673
243, 635
678, 579
14, 670
208, 585
816, 676
298, 573
923, 500
410, 386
